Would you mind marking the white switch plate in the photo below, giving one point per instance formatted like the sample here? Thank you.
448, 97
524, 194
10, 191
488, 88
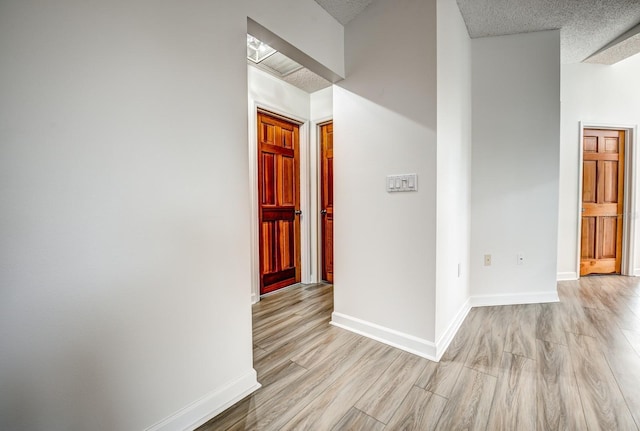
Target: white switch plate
402, 183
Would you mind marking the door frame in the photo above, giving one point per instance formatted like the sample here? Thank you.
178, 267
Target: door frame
254, 108
630, 177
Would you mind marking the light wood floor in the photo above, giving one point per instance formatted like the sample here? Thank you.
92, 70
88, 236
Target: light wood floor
573, 365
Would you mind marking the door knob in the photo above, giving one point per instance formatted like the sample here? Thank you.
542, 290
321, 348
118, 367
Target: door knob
323, 212
298, 212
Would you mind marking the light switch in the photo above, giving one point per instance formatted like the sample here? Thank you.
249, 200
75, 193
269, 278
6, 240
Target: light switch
402, 183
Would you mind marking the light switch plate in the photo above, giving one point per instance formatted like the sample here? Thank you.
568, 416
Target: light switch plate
402, 183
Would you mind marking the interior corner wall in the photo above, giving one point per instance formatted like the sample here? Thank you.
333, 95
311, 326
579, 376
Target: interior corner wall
385, 123
124, 240
594, 94
515, 167
454, 171
321, 105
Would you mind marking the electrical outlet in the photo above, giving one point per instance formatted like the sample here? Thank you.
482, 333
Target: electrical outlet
487, 260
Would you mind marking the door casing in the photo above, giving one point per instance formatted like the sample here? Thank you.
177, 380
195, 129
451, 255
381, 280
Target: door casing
629, 224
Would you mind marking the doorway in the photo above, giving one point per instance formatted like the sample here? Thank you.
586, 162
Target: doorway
278, 142
602, 201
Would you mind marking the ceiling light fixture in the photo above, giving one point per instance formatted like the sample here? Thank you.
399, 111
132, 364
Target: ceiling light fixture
258, 50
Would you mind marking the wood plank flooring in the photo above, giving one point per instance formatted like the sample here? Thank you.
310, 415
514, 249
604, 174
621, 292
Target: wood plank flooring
572, 365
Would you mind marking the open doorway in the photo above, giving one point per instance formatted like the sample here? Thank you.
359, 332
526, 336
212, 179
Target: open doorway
606, 239
287, 237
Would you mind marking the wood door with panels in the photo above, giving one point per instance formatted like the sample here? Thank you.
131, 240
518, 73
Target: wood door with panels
326, 197
602, 201
278, 202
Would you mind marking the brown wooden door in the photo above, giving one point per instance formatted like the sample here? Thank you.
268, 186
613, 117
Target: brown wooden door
602, 201
278, 202
326, 133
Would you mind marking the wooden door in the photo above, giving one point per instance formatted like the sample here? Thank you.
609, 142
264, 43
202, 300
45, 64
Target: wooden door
602, 201
326, 136
278, 202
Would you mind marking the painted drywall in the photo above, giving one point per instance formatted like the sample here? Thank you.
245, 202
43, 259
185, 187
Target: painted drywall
594, 94
454, 169
321, 105
385, 123
272, 93
124, 240
515, 166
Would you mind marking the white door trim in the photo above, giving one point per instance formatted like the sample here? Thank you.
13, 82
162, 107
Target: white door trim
305, 258
630, 191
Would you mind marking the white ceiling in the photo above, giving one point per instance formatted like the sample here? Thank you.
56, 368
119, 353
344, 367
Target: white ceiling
586, 25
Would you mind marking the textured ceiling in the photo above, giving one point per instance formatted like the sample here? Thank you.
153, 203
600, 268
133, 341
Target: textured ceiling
625, 46
344, 10
306, 80
586, 25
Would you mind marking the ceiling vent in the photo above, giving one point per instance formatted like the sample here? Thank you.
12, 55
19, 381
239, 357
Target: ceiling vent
268, 59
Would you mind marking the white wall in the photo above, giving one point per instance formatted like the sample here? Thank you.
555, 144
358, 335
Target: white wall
594, 94
272, 93
385, 123
321, 104
515, 164
124, 240
454, 170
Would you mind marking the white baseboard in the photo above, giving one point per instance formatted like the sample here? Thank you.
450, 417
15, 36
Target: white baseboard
447, 337
567, 276
200, 411
254, 298
636, 272
400, 340
514, 298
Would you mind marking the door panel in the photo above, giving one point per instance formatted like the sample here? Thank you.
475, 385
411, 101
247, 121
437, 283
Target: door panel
326, 136
588, 237
602, 201
279, 199
589, 182
609, 232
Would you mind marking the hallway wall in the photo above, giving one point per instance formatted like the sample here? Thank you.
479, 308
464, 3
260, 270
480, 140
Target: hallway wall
385, 123
124, 240
515, 167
